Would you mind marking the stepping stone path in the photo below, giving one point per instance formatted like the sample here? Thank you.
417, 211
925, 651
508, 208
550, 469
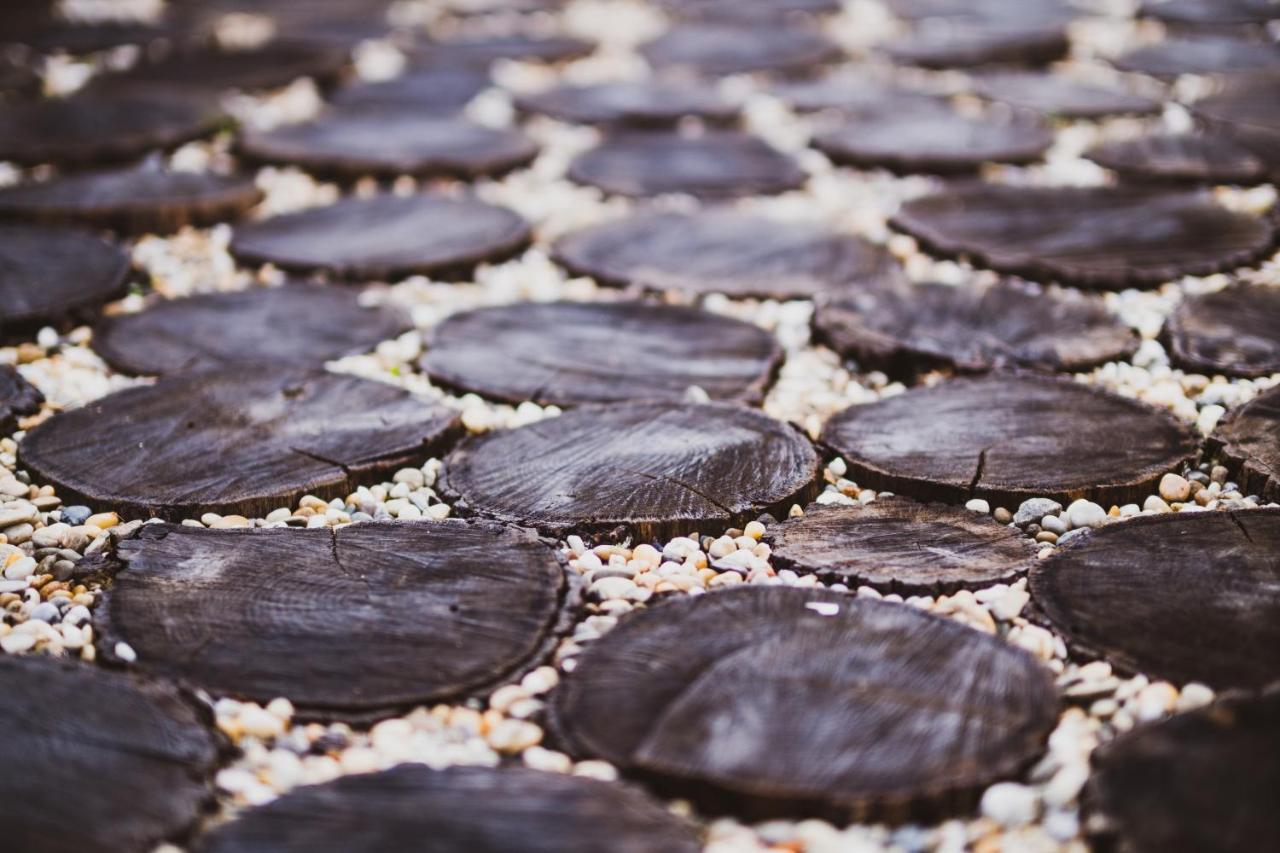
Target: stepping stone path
600, 353
385, 237
483, 52
53, 275
138, 756
655, 470
429, 612
227, 441
1186, 158
1204, 54
294, 324
1183, 597
778, 700
1248, 439
195, 72
975, 44
629, 104
425, 91
480, 809
1235, 331
17, 397
719, 49
1105, 238
1007, 437
1060, 96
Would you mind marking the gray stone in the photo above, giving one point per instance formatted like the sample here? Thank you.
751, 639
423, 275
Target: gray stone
1035, 509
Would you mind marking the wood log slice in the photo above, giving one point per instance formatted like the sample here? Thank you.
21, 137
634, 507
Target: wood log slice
1064, 97
481, 52
1201, 54
424, 91
1235, 331
975, 44
1248, 441
1210, 13
748, 11
210, 72
719, 49
641, 104
853, 93
1180, 158
17, 397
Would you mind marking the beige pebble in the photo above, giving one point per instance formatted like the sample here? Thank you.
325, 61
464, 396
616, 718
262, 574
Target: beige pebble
1174, 488
103, 520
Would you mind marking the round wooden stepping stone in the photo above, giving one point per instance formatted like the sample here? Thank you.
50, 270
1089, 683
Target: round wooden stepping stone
55, 275
483, 52
1056, 95
231, 441
480, 809
1201, 55
984, 11
1235, 331
1248, 112
853, 93
132, 200
747, 11
60, 36
566, 353
907, 331
719, 164
385, 237
657, 470
1187, 158
1105, 238
275, 65
970, 45
631, 104
1184, 597
424, 91
137, 755
17, 79
1202, 780
1007, 437
717, 251
429, 612
1211, 13
899, 545
388, 142
17, 397
781, 701
720, 49
296, 324
1248, 439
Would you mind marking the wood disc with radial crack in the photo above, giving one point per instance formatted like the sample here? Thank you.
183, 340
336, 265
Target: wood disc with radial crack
718, 49
1064, 97
1207, 54
658, 470
17, 397
643, 104
1180, 158
973, 44
211, 72
1007, 437
781, 701
136, 757
429, 611
1235, 331
1248, 439
227, 441
424, 91
477, 809
1103, 238
385, 237
295, 324
566, 353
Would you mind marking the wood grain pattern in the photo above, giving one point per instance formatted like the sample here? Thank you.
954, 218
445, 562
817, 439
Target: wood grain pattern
1235, 331
718, 49
1061, 96
1248, 441
1180, 158
638, 104
17, 397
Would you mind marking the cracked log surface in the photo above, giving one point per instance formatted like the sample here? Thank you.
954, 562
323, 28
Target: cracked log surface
1248, 439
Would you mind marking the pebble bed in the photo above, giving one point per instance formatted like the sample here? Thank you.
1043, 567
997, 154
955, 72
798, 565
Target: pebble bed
41, 539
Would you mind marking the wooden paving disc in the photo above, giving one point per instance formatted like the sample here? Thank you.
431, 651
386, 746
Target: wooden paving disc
1203, 780
717, 49
17, 79
295, 324
716, 251
774, 701
853, 93
17, 397
1248, 112
1183, 597
1248, 439
1201, 55
423, 91
658, 470
908, 331
135, 758
899, 545
631, 104
1053, 94
55, 275
385, 237
385, 143
272, 66
386, 615
1185, 158
1105, 238
748, 11
228, 441
483, 52
971, 45
984, 11
1206, 13
1007, 437
78, 39
1235, 331
478, 809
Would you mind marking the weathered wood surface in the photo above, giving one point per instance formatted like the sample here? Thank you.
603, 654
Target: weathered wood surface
1248, 441
718, 49
1235, 331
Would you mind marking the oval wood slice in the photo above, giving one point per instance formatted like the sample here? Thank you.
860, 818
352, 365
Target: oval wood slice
785, 701
717, 49
1203, 780
483, 52
1248, 112
274, 65
1187, 158
985, 11
978, 43
1248, 439
479, 809
138, 756
17, 397
79, 39
229, 442
1202, 13
1007, 437
1207, 54
566, 353
18, 79
641, 104
748, 11
424, 91
1235, 331
1056, 95
907, 331
385, 237
853, 93
658, 470
1105, 238
1184, 597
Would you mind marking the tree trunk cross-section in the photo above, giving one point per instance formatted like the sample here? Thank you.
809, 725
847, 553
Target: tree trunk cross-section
629, 104
748, 11
1248, 440
783, 701
1180, 158
482, 52
1235, 331
718, 49
1248, 111
1060, 96
426, 91
1209, 54
978, 43
17, 397
212, 72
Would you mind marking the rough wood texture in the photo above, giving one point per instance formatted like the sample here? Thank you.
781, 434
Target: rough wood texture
1060, 96
133, 758
1249, 113
1235, 331
1007, 437
295, 324
209, 72
17, 397
1106, 238
1202, 54
972, 44
385, 237
899, 545
1181, 158
783, 701
640, 104
483, 52
655, 470
227, 442
477, 809
424, 91
1248, 440
566, 353
718, 49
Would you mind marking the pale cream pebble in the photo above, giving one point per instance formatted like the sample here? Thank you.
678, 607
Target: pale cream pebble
512, 736
359, 759
256, 721
540, 758
1156, 700
1194, 695
281, 707
594, 769
504, 697
389, 736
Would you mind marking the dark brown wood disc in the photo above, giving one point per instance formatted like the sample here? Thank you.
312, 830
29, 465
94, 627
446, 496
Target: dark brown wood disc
853, 93
1055, 95
953, 44
774, 701
899, 545
227, 441
1007, 437
1203, 780
748, 11
424, 91
428, 612
657, 470
1248, 112
484, 51
1205, 54
17, 79
1210, 13
983, 11
1105, 238
295, 324
17, 397
1184, 597
717, 49
478, 809
385, 237
138, 756
1235, 331
907, 331
1248, 439
630, 104
1184, 158
566, 353
210, 72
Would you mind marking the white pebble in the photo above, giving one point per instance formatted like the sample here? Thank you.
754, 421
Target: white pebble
1084, 513
978, 505
1010, 804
